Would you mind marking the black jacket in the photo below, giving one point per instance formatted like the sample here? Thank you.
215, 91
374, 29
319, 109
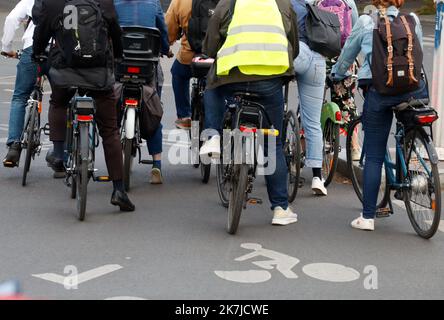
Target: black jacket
48, 22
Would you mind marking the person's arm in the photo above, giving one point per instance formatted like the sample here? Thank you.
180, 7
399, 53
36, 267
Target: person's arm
355, 12
214, 38
114, 29
17, 16
352, 47
293, 35
160, 24
172, 22
42, 32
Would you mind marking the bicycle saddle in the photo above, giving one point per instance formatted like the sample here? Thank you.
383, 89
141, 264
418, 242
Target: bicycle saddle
414, 103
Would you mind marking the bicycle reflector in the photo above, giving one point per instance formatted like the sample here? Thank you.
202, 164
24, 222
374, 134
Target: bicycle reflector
88, 118
426, 119
131, 103
338, 116
265, 132
133, 70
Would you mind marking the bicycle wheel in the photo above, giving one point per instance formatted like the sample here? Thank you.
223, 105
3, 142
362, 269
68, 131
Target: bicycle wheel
195, 116
239, 183
128, 157
82, 176
423, 199
30, 140
292, 152
223, 182
356, 163
331, 151
205, 171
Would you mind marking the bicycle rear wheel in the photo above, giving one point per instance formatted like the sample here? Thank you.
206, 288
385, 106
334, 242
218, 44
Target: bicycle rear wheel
331, 151
292, 151
82, 175
356, 163
31, 140
239, 183
128, 157
223, 183
423, 199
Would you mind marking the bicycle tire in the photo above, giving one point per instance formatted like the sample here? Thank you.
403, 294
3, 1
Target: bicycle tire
239, 183
222, 181
331, 138
433, 183
205, 172
195, 113
82, 175
30, 139
292, 153
356, 169
127, 162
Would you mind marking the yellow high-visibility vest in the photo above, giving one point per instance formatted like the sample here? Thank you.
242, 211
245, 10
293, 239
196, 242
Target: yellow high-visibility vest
256, 41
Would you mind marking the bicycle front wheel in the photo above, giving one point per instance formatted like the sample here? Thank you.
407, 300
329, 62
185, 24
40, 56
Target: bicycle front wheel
356, 163
423, 199
239, 183
331, 151
292, 152
31, 140
82, 175
223, 183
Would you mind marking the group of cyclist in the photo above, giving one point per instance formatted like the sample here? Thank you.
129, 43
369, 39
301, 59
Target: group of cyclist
258, 56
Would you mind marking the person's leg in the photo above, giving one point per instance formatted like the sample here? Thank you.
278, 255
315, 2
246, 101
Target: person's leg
181, 74
106, 119
154, 145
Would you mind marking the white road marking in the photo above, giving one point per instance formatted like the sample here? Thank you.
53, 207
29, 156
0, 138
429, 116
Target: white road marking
250, 276
8, 90
125, 298
7, 77
331, 272
81, 277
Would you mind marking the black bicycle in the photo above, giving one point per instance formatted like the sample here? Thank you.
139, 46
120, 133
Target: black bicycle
199, 70
413, 174
30, 138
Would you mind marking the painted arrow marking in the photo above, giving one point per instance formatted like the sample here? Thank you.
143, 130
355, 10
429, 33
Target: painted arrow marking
74, 279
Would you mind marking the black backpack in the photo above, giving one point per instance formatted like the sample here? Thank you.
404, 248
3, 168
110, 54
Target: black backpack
397, 55
201, 12
88, 45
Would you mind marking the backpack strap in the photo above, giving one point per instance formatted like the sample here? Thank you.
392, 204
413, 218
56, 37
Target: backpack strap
410, 59
389, 48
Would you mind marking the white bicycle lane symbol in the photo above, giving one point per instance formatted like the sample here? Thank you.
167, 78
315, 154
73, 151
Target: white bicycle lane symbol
284, 264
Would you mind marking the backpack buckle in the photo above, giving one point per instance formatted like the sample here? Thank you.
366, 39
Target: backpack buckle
390, 67
390, 48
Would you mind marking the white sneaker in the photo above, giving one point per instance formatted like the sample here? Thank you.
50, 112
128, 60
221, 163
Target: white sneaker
211, 147
284, 217
364, 224
356, 154
317, 185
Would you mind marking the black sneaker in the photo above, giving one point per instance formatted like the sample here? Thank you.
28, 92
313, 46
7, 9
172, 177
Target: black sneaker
56, 165
121, 199
13, 156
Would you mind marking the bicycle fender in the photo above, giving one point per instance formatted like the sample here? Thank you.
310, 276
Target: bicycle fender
329, 111
434, 158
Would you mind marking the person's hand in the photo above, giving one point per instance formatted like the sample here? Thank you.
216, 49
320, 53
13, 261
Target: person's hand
170, 54
10, 54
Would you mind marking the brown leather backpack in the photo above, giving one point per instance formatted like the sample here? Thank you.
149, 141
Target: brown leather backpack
397, 55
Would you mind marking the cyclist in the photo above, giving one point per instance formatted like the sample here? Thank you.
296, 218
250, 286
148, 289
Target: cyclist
377, 116
98, 81
259, 71
148, 13
26, 75
177, 18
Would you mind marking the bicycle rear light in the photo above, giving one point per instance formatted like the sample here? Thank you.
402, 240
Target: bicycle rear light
88, 118
131, 103
338, 116
133, 70
427, 119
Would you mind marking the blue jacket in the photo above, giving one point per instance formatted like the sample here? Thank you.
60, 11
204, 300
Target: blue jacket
361, 41
144, 13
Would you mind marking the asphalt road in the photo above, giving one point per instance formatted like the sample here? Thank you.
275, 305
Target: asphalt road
175, 245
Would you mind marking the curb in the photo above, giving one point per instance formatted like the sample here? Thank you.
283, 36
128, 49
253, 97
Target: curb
342, 168
428, 19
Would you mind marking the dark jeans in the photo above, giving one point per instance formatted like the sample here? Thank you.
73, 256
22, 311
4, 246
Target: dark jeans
105, 117
181, 86
272, 99
377, 122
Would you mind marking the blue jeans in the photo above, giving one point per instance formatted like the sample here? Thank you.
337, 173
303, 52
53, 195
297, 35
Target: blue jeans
181, 86
310, 68
377, 121
272, 99
24, 84
154, 143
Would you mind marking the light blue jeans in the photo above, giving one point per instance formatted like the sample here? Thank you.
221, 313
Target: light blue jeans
24, 84
310, 68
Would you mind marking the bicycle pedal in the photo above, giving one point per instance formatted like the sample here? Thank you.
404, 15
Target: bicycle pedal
46, 129
383, 213
254, 201
146, 162
398, 195
102, 179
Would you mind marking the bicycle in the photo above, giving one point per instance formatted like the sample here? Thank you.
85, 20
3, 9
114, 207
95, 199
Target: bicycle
244, 120
413, 175
82, 140
30, 139
138, 68
199, 70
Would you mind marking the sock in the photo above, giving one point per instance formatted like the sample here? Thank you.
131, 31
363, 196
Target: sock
118, 185
157, 164
59, 149
317, 172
